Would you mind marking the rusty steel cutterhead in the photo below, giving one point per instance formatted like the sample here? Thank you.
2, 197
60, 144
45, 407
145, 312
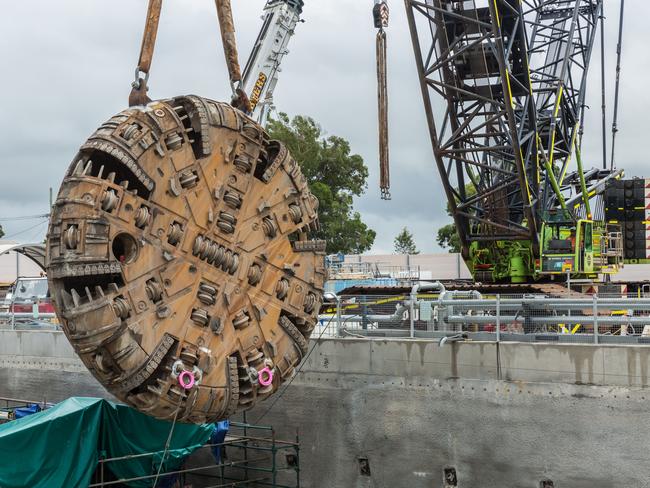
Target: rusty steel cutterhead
179, 262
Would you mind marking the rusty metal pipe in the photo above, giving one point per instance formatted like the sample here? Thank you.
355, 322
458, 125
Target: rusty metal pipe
227, 26
382, 100
149, 35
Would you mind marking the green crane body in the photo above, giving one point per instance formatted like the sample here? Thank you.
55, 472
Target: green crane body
503, 84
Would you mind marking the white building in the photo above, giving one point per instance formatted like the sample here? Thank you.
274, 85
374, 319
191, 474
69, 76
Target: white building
441, 266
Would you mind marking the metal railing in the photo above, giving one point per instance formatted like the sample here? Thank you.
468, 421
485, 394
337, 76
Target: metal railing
438, 313
356, 270
8, 406
28, 314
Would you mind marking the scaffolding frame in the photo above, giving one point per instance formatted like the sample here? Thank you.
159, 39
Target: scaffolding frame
255, 465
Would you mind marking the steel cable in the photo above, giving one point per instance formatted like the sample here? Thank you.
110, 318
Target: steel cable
619, 48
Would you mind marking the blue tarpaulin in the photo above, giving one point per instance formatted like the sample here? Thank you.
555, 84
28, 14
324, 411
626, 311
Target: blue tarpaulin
25, 411
218, 437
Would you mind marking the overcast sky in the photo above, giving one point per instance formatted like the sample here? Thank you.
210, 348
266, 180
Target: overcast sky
67, 66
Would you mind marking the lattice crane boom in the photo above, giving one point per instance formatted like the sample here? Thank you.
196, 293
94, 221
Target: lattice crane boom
504, 83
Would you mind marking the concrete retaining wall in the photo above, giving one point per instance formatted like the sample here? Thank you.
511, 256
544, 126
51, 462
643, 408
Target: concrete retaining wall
510, 415
507, 415
43, 366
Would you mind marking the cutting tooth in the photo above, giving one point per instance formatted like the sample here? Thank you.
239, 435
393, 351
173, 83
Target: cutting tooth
78, 169
101, 172
111, 177
76, 299
88, 168
67, 300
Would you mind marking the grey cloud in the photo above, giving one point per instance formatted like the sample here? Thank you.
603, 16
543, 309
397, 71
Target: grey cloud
67, 66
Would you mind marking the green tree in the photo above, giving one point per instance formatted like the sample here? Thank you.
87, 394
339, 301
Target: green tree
2, 232
335, 177
404, 243
448, 238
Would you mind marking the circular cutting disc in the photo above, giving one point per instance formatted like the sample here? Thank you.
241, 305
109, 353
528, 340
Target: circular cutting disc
178, 251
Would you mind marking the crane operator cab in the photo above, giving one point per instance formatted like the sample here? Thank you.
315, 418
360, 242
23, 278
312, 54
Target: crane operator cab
582, 248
